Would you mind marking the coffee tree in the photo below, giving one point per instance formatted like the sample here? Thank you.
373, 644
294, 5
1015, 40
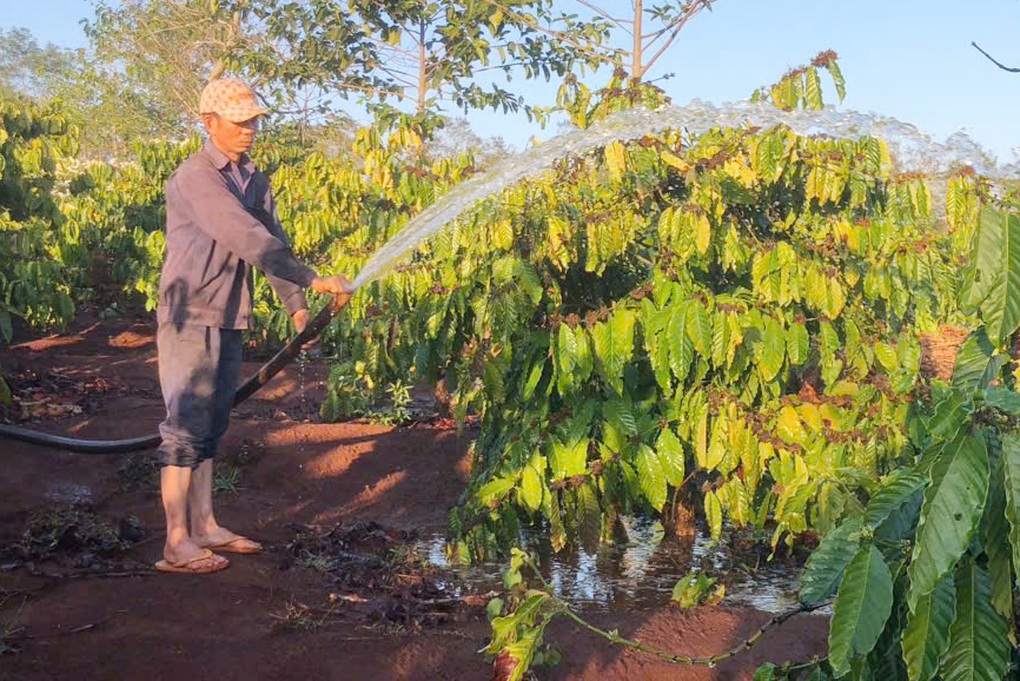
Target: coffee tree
33, 255
924, 576
729, 321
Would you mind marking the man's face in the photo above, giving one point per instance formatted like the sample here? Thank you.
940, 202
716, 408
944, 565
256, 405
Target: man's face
231, 138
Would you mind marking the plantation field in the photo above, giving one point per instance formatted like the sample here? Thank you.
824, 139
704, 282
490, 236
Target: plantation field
76, 591
798, 349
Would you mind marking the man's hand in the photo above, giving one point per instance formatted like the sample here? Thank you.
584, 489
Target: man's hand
300, 322
338, 285
300, 319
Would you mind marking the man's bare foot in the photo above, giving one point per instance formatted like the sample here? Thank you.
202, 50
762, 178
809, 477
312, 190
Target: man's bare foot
222, 539
198, 559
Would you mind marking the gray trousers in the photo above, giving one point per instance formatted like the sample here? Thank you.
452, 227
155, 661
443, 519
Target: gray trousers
199, 370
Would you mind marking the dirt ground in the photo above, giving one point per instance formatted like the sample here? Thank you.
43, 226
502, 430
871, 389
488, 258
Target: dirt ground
338, 594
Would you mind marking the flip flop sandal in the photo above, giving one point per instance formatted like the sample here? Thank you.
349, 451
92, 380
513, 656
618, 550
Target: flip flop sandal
188, 567
236, 545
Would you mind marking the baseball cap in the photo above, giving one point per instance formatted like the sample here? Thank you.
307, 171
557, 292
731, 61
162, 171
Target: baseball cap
231, 98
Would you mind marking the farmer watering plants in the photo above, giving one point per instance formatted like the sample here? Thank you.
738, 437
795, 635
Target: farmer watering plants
220, 223
705, 379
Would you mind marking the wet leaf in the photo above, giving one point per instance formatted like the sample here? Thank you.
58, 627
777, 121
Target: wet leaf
651, 476
826, 564
979, 647
953, 505
926, 636
862, 606
671, 454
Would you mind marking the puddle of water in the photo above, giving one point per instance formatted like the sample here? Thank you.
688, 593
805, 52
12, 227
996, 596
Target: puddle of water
641, 571
70, 493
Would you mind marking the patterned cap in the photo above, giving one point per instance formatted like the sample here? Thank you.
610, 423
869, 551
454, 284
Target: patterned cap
231, 98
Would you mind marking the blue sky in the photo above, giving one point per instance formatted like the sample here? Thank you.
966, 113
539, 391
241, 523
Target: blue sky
910, 59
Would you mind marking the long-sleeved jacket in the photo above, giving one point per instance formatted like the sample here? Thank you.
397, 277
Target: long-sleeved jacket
213, 238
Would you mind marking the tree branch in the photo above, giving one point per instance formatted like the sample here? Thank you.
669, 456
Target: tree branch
679, 24
559, 35
993, 60
604, 14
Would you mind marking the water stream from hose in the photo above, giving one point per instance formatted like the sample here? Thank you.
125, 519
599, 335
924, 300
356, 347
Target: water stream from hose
911, 149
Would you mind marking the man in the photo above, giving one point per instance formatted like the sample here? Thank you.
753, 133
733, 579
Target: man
212, 241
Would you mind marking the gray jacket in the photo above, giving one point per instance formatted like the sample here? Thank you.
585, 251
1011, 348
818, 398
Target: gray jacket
221, 220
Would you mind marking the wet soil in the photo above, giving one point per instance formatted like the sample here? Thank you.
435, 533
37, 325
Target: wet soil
341, 592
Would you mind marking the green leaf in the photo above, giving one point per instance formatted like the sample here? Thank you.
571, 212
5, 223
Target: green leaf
583, 360
569, 458
886, 355
532, 485
950, 416
901, 524
926, 636
798, 345
713, 515
1011, 468
651, 476
493, 491
694, 589
837, 79
952, 508
721, 329
1003, 398
702, 233
972, 362
699, 327
681, 349
995, 537
589, 517
1001, 309
621, 328
813, 89
862, 607
897, 489
986, 258
671, 455
771, 350
979, 648
566, 359
789, 426
826, 564
534, 376
620, 414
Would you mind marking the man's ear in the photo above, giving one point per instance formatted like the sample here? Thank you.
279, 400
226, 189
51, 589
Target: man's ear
208, 120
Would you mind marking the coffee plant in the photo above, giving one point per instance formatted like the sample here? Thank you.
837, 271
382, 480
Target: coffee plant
919, 551
90, 232
33, 285
924, 576
728, 322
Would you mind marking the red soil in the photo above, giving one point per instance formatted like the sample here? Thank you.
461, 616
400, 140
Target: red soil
292, 471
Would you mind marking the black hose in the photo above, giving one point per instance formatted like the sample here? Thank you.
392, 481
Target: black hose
287, 353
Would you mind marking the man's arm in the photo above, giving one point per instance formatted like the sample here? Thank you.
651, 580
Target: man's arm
291, 295
210, 204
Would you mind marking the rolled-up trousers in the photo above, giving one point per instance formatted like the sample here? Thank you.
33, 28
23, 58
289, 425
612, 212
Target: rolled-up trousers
199, 370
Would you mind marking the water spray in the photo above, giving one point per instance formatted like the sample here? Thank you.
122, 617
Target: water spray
911, 148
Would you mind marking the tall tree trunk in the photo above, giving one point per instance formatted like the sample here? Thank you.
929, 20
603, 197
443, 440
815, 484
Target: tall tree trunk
423, 86
637, 69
